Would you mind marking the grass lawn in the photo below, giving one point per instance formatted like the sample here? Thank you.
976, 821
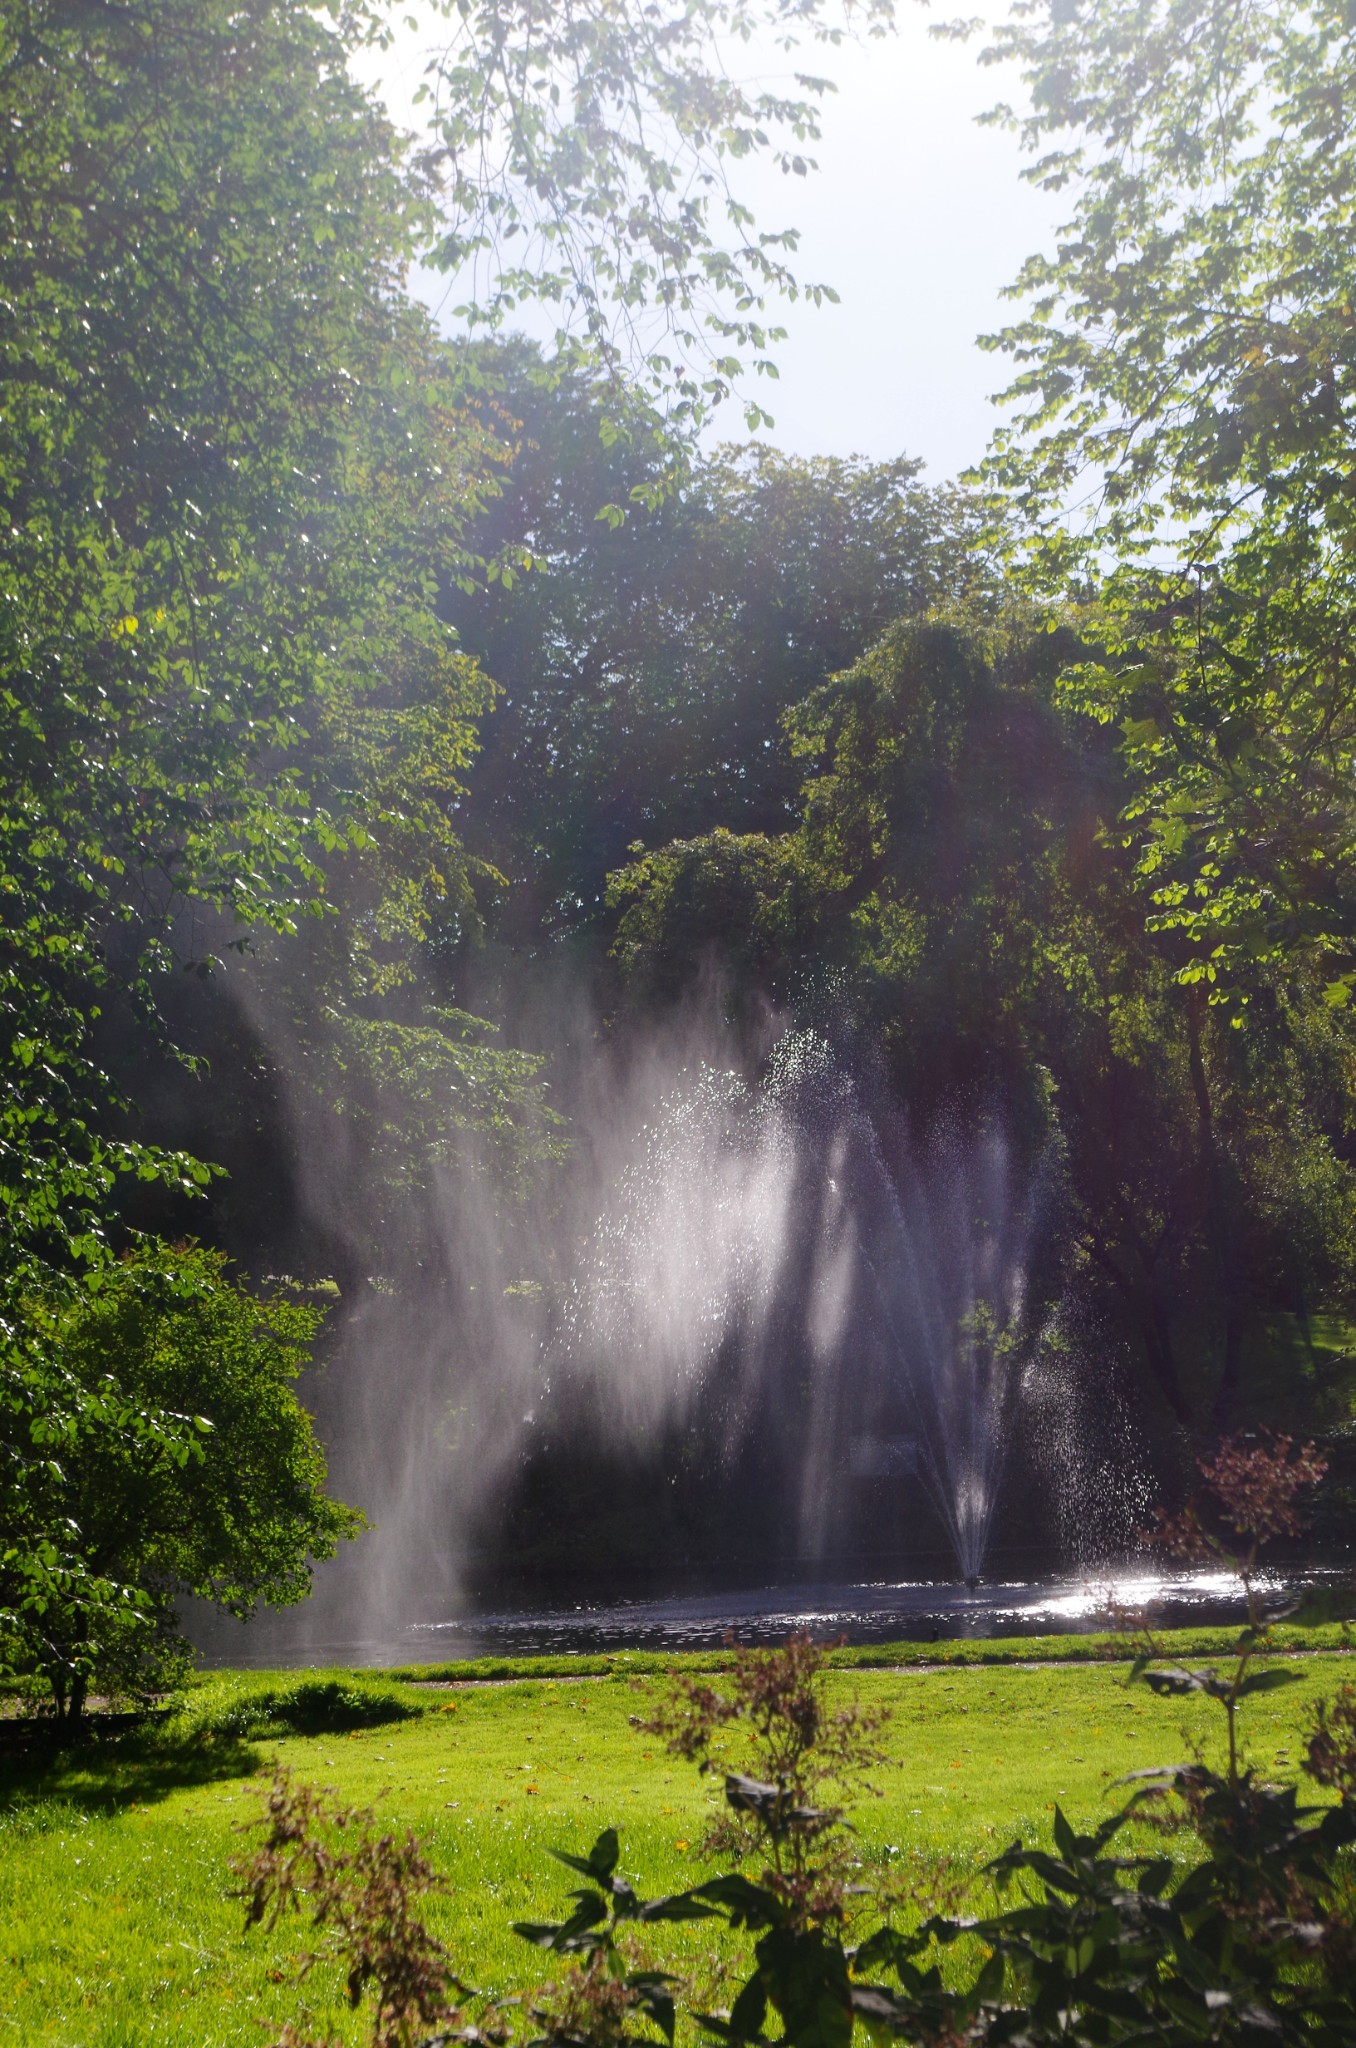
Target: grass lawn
116, 1922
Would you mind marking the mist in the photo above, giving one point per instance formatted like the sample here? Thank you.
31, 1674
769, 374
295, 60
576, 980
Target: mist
743, 1241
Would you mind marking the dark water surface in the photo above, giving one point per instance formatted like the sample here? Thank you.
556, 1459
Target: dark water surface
921, 1611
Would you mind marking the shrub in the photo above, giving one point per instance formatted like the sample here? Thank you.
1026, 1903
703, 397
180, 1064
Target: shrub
359, 1890
185, 1465
305, 1706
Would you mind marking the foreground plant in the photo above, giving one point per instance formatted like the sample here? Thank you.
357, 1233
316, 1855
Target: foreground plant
773, 1717
802, 1750
603, 1996
1255, 1943
1250, 1496
800, 1759
360, 1890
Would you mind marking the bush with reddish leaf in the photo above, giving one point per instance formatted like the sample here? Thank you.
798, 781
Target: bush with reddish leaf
359, 1889
798, 1758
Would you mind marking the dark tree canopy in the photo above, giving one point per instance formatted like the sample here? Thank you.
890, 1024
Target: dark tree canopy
646, 665
956, 859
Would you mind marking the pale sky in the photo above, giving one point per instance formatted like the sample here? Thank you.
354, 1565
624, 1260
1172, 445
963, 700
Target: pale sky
918, 217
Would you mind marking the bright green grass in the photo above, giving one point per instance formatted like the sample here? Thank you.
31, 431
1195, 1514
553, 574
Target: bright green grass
1186, 1643
116, 1921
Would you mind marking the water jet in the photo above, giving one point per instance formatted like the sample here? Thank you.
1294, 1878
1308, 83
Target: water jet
792, 1245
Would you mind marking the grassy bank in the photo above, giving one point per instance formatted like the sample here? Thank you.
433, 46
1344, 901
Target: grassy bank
117, 1927
974, 1653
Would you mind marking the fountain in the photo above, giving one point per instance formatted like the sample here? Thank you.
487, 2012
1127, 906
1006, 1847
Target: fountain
846, 1332
800, 1215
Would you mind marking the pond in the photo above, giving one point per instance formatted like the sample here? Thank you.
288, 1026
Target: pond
882, 1612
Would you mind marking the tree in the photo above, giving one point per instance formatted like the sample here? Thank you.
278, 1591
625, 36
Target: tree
726, 901
237, 467
231, 457
190, 1468
957, 863
1182, 439
227, 458
936, 792
584, 156
645, 666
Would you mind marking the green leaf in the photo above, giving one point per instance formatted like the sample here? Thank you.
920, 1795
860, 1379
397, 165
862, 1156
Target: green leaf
601, 1860
744, 1903
749, 2010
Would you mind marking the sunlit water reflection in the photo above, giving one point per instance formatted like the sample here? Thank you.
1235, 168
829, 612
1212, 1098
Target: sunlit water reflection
925, 1611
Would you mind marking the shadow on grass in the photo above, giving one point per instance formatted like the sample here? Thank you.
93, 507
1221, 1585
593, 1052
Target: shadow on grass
113, 1761
105, 1771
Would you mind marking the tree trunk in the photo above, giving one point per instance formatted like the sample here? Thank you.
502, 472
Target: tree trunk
1222, 1222
70, 1704
1155, 1327
1163, 1363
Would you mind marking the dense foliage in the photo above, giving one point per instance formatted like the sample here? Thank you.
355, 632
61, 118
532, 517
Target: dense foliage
188, 1468
645, 666
1183, 414
957, 858
230, 456
228, 468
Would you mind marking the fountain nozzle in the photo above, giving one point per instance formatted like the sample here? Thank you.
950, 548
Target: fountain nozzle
972, 1580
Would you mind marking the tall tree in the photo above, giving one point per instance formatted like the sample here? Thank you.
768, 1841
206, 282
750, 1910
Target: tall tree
1182, 437
237, 467
229, 456
227, 466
